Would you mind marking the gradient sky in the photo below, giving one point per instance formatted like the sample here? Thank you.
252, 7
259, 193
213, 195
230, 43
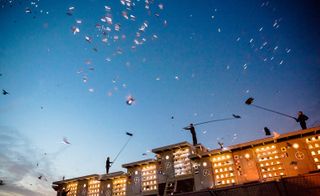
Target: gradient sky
195, 61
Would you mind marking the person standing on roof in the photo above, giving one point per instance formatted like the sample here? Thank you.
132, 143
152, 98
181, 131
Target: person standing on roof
302, 120
193, 133
108, 165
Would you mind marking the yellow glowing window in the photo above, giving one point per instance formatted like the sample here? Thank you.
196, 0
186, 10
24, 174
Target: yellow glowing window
295, 146
148, 178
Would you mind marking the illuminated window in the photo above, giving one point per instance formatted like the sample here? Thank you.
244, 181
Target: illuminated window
295, 146
313, 145
223, 164
148, 177
93, 187
72, 187
269, 159
119, 186
182, 164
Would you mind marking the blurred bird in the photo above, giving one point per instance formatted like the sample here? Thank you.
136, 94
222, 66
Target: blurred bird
130, 100
236, 116
249, 101
65, 140
220, 144
275, 135
70, 11
4, 92
267, 131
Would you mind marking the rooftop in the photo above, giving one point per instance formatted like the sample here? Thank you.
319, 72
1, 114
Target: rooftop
263, 141
76, 179
171, 147
113, 175
138, 163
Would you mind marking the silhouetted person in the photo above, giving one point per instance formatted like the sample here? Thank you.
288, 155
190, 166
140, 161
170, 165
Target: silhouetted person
64, 192
193, 133
302, 120
108, 165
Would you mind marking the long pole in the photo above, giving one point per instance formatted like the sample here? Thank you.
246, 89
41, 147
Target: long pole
123, 147
216, 120
263, 108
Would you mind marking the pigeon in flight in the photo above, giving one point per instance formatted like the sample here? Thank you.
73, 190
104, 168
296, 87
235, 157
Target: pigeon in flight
65, 140
4, 92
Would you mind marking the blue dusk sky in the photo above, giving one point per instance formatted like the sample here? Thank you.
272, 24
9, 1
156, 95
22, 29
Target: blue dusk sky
70, 66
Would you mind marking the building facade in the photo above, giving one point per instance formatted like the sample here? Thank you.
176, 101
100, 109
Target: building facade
268, 159
182, 167
142, 177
